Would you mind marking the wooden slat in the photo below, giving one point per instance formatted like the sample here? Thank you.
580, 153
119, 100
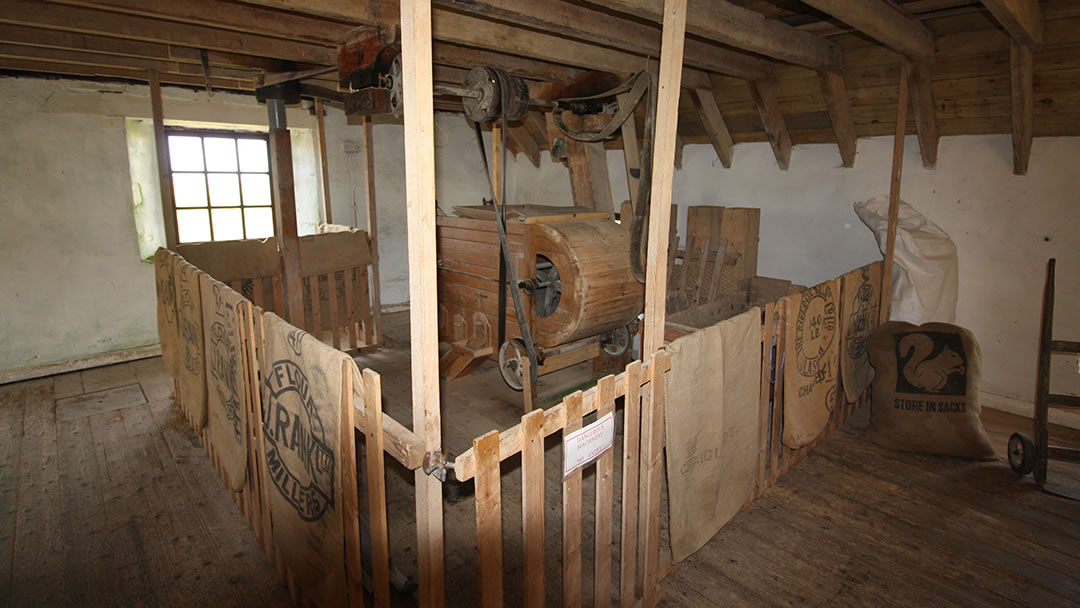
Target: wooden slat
763, 93
419, 118
349, 318
631, 156
1022, 80
775, 447
1021, 18
768, 332
354, 571
839, 107
605, 499
531, 432
371, 214
333, 302
489, 519
324, 166
631, 467
376, 487
365, 305
571, 506
713, 121
884, 23
316, 327
894, 194
652, 481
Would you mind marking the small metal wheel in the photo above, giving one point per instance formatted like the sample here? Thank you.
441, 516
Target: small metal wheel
617, 341
1021, 454
397, 103
512, 357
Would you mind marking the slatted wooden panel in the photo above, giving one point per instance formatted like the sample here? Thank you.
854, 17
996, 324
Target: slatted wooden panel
342, 317
482, 463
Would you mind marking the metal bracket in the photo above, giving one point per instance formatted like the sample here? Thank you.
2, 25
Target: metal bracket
436, 464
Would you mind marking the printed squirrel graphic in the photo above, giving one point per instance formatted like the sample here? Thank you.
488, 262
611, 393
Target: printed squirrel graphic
930, 375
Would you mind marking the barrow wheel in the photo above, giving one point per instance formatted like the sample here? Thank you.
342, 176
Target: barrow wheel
1021, 454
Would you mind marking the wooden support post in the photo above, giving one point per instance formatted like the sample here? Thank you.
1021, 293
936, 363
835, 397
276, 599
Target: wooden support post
1023, 103
924, 109
373, 230
631, 154
532, 506
161, 147
839, 107
320, 123
489, 519
763, 93
284, 199
715, 127
894, 194
589, 179
663, 172
419, 118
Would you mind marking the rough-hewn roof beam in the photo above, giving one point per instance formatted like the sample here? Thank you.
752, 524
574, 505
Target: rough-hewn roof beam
884, 23
745, 29
1021, 18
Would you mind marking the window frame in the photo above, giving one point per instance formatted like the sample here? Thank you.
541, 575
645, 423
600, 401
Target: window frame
206, 172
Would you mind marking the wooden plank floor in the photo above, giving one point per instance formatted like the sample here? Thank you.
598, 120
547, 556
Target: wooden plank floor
858, 525
108, 500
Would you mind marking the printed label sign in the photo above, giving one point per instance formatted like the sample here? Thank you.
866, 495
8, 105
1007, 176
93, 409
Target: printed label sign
586, 444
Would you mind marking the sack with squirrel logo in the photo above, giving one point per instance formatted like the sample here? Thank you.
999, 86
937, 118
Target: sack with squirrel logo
926, 390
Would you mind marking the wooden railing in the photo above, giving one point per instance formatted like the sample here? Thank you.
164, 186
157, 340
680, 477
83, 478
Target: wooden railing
482, 462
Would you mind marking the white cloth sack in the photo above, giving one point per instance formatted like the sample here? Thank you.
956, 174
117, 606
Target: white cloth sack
925, 273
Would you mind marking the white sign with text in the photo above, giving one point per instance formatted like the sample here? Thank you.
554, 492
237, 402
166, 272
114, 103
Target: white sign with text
586, 444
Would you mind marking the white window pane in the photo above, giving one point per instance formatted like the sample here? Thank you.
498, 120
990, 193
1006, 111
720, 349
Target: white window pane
227, 224
256, 188
253, 155
185, 153
220, 153
224, 190
189, 189
193, 225
260, 222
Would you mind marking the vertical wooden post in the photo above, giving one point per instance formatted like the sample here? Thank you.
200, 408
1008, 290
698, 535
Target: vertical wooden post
161, 146
423, 304
489, 519
284, 199
373, 230
320, 123
663, 171
894, 192
1022, 71
532, 506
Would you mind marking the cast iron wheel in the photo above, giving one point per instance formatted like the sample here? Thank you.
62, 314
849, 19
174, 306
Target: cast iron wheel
617, 341
1021, 454
512, 356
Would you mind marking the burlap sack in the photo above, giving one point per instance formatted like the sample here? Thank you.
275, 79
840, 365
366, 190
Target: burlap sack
811, 362
926, 390
711, 419
302, 457
224, 312
858, 318
168, 327
192, 369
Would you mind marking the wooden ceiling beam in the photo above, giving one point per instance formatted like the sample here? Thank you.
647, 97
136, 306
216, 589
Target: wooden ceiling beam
1021, 18
763, 93
742, 28
884, 23
924, 110
74, 69
1022, 79
15, 51
466, 57
839, 107
91, 21
713, 121
581, 23
229, 16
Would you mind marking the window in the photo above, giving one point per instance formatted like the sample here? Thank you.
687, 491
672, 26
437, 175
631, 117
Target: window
221, 185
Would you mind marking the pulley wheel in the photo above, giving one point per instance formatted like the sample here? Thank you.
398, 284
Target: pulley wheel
484, 105
512, 358
1021, 454
617, 341
395, 81
518, 103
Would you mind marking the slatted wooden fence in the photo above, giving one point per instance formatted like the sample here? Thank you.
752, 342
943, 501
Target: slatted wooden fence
483, 460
